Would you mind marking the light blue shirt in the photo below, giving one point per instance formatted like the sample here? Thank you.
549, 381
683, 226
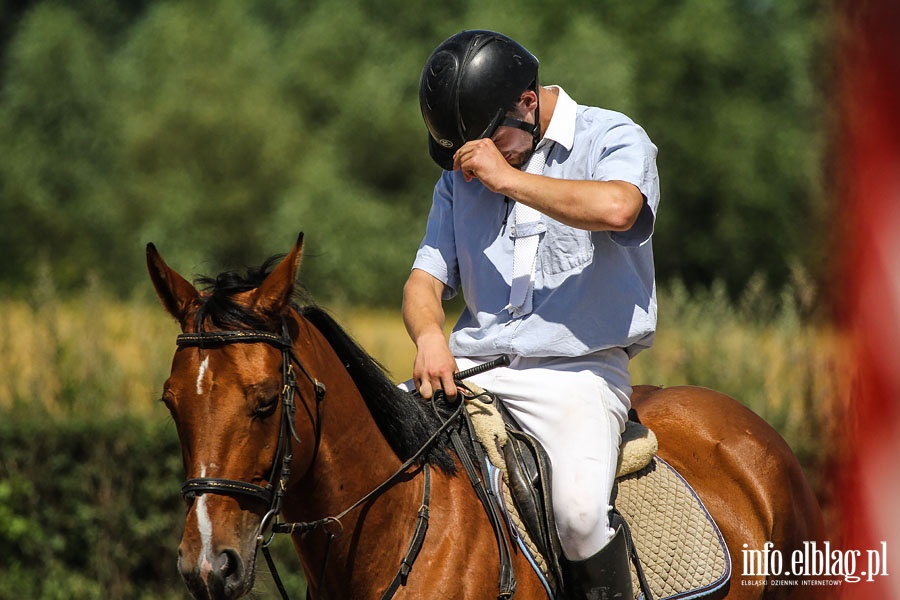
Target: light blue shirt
592, 290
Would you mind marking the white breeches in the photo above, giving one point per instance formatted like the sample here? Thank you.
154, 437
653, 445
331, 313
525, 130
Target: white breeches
576, 408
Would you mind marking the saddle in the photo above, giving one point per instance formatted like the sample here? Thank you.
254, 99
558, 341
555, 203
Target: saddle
520, 478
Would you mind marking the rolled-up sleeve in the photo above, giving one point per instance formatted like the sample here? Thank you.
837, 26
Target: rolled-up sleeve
625, 153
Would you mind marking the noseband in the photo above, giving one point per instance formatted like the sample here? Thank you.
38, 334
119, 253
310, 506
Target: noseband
272, 494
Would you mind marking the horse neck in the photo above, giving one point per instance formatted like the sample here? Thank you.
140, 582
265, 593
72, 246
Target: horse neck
353, 456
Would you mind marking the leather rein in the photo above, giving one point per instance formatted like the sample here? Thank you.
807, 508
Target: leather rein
273, 493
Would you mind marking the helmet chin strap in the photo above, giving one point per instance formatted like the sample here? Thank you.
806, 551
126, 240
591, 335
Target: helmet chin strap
536, 130
533, 128
518, 124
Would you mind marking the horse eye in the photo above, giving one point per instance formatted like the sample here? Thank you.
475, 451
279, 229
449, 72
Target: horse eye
266, 406
168, 398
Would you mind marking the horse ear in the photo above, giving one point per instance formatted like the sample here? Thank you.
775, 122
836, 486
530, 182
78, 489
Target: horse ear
276, 291
175, 292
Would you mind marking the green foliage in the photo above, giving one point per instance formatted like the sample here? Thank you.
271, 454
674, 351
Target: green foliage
734, 108
209, 143
56, 141
91, 509
218, 130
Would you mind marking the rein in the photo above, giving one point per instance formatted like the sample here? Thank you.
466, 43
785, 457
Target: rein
273, 495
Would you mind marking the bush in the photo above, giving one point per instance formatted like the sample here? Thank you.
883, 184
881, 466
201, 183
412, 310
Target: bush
92, 509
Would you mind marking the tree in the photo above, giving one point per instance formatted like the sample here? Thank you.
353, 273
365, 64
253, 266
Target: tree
216, 129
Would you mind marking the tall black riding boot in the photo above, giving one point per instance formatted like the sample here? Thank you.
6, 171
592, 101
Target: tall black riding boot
603, 576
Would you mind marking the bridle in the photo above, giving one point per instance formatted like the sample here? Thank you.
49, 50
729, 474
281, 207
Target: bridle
272, 494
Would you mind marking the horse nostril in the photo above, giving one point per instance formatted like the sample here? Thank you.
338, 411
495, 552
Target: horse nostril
231, 567
224, 579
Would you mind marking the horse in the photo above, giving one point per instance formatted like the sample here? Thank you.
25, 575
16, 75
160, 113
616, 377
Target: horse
281, 415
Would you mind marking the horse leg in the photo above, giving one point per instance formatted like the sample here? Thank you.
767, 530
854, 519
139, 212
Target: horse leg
746, 475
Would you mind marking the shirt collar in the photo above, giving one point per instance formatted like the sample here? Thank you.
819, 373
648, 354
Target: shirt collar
562, 124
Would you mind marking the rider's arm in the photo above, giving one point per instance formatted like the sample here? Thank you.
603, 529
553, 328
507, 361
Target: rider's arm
423, 315
584, 204
590, 205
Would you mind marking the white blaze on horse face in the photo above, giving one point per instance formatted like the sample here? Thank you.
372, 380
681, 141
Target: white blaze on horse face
201, 375
204, 526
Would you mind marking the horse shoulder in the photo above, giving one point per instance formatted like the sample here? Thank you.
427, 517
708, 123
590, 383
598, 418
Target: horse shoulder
460, 557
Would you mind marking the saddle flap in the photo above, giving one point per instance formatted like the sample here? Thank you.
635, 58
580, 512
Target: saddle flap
528, 472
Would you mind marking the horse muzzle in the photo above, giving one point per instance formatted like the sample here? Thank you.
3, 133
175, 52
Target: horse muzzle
217, 577
217, 564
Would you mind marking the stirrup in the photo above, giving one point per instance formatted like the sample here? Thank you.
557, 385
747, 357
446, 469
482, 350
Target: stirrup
605, 575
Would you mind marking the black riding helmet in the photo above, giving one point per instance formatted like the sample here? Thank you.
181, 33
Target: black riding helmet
468, 84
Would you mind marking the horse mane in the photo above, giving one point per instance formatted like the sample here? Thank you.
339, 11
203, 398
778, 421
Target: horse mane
405, 421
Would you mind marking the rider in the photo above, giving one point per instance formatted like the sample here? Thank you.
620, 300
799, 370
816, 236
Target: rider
566, 289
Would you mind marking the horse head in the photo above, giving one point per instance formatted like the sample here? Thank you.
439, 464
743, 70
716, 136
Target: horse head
231, 394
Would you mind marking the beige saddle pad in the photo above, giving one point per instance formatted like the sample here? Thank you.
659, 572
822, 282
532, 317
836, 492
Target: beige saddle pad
681, 550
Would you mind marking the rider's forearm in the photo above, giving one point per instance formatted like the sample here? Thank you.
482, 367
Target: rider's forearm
423, 313
590, 205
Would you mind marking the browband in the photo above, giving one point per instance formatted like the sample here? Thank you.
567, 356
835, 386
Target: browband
217, 338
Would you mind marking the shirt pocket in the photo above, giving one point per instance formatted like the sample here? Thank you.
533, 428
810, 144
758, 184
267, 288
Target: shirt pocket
565, 248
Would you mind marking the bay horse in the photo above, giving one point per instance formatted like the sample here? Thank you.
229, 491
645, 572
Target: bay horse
279, 411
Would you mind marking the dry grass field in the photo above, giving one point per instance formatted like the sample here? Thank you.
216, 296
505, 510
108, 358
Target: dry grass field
97, 356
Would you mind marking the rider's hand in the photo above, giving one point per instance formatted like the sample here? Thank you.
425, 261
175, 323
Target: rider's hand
434, 367
481, 159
